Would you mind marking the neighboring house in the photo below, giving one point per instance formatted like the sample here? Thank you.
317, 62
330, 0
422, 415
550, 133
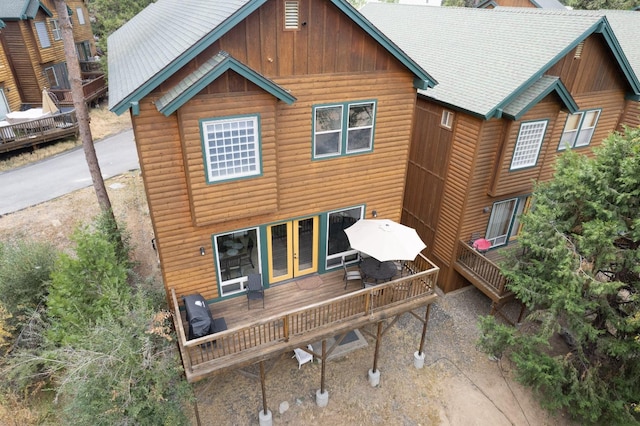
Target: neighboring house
32, 42
275, 122
538, 4
504, 109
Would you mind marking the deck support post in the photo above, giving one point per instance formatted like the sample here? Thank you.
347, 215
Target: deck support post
265, 414
418, 357
374, 374
322, 396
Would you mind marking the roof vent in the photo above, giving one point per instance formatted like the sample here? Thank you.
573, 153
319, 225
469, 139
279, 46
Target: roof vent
291, 15
579, 48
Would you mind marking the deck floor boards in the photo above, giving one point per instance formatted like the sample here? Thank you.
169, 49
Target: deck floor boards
278, 299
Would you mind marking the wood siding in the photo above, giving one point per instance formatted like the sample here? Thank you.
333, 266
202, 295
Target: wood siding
478, 169
631, 115
316, 69
7, 81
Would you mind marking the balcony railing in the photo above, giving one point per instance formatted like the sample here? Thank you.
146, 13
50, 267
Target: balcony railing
33, 132
266, 337
92, 89
480, 269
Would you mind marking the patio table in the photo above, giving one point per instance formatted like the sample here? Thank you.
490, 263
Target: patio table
379, 271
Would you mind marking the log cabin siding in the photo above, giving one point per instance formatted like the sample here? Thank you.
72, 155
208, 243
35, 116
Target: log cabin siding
459, 178
631, 116
22, 52
186, 211
7, 81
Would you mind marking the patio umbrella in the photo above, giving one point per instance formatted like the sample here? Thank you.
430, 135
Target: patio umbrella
384, 239
47, 103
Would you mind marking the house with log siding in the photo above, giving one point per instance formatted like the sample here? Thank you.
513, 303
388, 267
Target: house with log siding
265, 128
506, 106
34, 58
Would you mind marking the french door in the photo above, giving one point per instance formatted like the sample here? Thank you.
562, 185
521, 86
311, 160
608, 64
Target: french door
292, 249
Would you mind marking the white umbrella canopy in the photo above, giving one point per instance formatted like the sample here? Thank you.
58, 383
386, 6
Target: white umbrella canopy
47, 103
384, 239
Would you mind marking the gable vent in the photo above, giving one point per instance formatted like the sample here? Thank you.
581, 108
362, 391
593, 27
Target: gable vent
579, 48
291, 15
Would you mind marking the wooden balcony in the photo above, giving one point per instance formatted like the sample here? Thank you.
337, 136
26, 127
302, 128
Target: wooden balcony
34, 132
482, 271
94, 87
294, 317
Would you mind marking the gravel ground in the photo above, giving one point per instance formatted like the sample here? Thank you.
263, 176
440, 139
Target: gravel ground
458, 385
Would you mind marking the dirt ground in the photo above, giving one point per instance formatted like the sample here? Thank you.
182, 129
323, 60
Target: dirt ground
457, 386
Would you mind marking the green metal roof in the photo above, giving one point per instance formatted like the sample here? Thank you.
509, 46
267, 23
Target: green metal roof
484, 75
210, 71
17, 10
168, 34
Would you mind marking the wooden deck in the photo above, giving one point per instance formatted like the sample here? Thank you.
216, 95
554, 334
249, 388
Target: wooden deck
483, 272
34, 132
296, 314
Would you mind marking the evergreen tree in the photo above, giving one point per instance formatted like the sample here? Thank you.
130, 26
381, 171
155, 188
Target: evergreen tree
580, 278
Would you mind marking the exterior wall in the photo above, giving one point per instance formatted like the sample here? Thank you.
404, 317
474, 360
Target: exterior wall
81, 32
186, 211
631, 115
7, 82
481, 152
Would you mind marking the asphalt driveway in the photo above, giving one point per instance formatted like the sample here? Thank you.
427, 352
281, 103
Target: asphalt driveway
48, 179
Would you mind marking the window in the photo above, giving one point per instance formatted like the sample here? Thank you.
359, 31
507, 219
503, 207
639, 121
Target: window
231, 148
80, 15
337, 241
579, 128
57, 76
343, 129
237, 255
291, 15
4, 105
55, 30
43, 36
528, 144
504, 222
84, 51
447, 119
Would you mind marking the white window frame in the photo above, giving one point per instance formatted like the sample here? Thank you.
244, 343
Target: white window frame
43, 34
500, 221
235, 285
528, 144
231, 147
80, 15
447, 119
4, 105
580, 135
291, 15
55, 30
342, 130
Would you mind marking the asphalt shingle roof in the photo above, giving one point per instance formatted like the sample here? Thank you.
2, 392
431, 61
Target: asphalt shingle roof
18, 9
157, 36
481, 58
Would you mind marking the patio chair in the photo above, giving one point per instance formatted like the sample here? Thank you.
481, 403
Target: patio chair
350, 275
400, 266
255, 290
234, 264
303, 356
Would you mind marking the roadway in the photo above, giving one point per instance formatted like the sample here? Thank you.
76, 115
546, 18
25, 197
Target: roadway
64, 173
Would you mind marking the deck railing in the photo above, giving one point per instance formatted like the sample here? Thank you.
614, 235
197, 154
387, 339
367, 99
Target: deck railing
484, 270
28, 133
243, 344
92, 88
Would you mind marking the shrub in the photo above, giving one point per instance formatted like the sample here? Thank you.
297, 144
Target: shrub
25, 268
